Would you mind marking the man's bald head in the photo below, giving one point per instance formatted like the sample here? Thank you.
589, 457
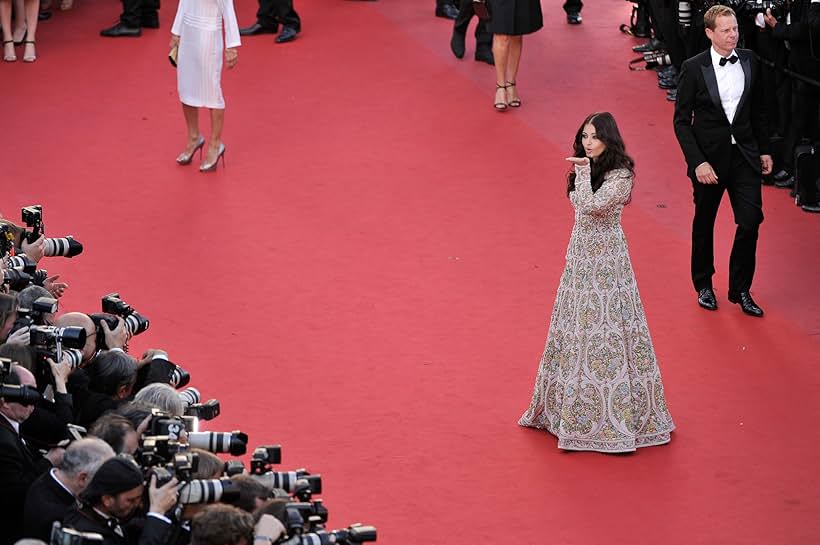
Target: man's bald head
78, 319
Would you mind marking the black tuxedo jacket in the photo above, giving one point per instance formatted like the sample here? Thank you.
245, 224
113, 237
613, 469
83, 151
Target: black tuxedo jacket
19, 468
46, 502
85, 519
701, 126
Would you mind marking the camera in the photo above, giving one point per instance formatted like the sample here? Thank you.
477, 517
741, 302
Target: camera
69, 536
235, 442
208, 491
300, 483
134, 321
65, 246
57, 343
355, 533
204, 411
15, 393
265, 456
234, 467
19, 280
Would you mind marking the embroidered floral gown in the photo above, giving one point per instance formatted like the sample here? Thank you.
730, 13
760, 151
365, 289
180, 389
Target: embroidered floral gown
598, 385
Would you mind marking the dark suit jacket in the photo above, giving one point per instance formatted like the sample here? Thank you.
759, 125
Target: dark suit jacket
701, 126
19, 468
46, 502
154, 532
800, 39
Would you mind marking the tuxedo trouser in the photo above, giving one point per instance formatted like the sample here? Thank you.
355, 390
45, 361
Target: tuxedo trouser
483, 37
573, 6
133, 11
272, 13
742, 183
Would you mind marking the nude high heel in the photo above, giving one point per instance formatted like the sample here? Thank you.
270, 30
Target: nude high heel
186, 158
204, 167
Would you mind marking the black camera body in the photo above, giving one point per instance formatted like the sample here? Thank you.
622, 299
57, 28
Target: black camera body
33, 218
15, 393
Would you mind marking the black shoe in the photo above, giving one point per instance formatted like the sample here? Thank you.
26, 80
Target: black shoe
288, 34
747, 304
788, 182
667, 83
150, 21
668, 71
457, 44
574, 18
447, 11
485, 56
707, 299
672, 95
256, 28
120, 30
781, 174
651, 45
815, 208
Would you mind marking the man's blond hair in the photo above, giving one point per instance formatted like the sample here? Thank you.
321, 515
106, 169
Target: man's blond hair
711, 15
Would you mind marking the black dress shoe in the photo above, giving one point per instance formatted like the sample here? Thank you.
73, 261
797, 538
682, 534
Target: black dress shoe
457, 44
788, 182
672, 95
651, 45
485, 56
256, 28
150, 21
120, 30
574, 18
747, 304
447, 11
44, 15
707, 299
781, 174
288, 34
814, 208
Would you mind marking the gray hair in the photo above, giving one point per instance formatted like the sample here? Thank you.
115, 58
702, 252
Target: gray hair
85, 455
163, 397
30, 294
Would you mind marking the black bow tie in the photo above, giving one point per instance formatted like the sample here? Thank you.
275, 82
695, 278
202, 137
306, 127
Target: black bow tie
724, 60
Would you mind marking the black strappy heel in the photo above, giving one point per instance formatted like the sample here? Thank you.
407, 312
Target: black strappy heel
501, 106
516, 102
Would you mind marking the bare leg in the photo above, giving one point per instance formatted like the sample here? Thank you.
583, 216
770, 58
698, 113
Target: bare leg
501, 51
5, 23
19, 32
191, 114
217, 122
513, 60
32, 10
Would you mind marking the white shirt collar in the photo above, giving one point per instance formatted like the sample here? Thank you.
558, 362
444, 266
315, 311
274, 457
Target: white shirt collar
15, 425
717, 56
53, 474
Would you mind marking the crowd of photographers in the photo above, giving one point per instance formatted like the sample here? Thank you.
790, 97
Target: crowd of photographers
100, 447
785, 34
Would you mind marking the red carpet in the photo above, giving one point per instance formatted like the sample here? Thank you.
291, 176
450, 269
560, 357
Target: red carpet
370, 279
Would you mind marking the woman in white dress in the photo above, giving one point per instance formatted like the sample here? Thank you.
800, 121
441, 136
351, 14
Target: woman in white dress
598, 385
197, 32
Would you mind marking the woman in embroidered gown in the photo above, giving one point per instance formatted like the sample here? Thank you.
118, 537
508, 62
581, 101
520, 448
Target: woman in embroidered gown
598, 385
197, 31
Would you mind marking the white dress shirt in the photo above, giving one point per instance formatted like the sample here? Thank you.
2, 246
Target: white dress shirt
730, 81
14, 424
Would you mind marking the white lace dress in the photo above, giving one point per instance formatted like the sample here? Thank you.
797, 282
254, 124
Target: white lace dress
199, 24
598, 385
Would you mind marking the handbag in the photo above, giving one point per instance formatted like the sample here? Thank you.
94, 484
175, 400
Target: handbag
172, 55
482, 9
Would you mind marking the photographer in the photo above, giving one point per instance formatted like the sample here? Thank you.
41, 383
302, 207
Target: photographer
19, 464
103, 385
54, 493
117, 431
222, 525
805, 124
114, 495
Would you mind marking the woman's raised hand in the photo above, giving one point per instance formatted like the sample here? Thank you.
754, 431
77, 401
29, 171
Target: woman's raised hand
580, 161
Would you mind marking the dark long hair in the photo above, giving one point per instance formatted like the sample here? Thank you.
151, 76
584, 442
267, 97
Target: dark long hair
614, 156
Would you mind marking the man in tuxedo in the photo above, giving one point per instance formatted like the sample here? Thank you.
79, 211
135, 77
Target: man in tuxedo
54, 493
136, 15
573, 11
721, 126
114, 495
270, 15
19, 464
483, 36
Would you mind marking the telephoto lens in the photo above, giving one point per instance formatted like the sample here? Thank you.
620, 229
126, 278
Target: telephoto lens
684, 14
179, 377
208, 491
65, 247
24, 395
236, 442
189, 396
